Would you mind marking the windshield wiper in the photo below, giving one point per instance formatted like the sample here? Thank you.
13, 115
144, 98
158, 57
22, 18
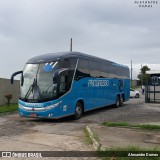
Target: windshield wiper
30, 89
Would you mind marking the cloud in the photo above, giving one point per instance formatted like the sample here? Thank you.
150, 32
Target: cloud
114, 30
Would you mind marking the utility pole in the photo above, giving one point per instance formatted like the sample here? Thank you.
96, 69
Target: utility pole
131, 73
71, 45
141, 75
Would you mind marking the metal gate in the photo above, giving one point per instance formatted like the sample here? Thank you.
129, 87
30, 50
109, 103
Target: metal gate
152, 90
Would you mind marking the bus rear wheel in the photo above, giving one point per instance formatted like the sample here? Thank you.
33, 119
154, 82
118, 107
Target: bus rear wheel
122, 100
117, 102
78, 111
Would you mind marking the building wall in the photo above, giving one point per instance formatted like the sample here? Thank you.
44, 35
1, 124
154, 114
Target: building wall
135, 83
7, 88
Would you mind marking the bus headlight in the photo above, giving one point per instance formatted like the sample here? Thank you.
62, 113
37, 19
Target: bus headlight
52, 106
20, 106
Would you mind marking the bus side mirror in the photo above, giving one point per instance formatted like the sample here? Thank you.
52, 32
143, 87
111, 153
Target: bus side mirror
14, 74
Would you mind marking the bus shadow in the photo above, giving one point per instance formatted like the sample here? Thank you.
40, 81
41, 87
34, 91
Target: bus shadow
101, 110
98, 110
71, 118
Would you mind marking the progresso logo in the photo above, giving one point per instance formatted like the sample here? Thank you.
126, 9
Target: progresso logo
98, 83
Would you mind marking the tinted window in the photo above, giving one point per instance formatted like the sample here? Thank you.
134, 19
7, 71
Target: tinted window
82, 69
112, 71
103, 73
67, 76
116, 71
94, 69
69, 63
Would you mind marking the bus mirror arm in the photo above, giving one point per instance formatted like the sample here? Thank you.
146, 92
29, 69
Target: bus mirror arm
14, 74
57, 73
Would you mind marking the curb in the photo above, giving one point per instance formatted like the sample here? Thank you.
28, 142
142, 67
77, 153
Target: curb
97, 145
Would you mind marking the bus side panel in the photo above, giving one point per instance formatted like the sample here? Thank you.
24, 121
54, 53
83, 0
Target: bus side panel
81, 92
92, 95
113, 90
127, 89
65, 107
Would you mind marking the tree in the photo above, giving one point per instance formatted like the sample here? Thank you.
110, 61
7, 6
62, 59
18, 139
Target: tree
8, 97
142, 76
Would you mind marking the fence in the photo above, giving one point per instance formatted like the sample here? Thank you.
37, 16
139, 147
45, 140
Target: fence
152, 91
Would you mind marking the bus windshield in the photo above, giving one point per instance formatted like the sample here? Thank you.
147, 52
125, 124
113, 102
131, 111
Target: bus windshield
38, 81
42, 83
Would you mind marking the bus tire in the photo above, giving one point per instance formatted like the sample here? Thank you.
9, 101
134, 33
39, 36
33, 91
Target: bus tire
117, 104
122, 100
78, 111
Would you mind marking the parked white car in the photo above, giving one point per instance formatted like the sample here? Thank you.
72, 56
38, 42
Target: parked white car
134, 93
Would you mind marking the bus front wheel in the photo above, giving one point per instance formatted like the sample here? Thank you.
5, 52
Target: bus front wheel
78, 111
117, 102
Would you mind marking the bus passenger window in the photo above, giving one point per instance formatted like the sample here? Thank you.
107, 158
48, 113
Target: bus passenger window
102, 72
94, 68
83, 69
69, 63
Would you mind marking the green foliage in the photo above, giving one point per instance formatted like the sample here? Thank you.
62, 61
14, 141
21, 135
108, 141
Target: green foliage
149, 127
88, 140
144, 78
10, 108
144, 69
112, 124
140, 126
142, 75
119, 153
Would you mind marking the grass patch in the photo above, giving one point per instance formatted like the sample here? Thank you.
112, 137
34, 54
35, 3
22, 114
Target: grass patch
96, 137
87, 138
122, 153
112, 124
10, 108
139, 126
149, 127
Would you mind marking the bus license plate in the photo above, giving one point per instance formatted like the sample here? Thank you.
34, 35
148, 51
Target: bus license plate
33, 115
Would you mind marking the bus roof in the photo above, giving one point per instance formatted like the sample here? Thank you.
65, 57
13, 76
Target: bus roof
61, 55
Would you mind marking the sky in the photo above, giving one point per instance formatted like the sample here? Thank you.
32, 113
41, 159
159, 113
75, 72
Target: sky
117, 30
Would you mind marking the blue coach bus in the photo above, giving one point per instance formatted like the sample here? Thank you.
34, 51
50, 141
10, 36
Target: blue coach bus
70, 83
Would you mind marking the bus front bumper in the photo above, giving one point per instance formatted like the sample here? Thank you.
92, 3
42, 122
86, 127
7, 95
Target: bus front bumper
35, 110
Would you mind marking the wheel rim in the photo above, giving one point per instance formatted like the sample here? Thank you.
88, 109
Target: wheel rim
118, 102
78, 111
122, 101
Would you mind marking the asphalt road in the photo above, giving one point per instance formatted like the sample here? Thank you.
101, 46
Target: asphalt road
27, 134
